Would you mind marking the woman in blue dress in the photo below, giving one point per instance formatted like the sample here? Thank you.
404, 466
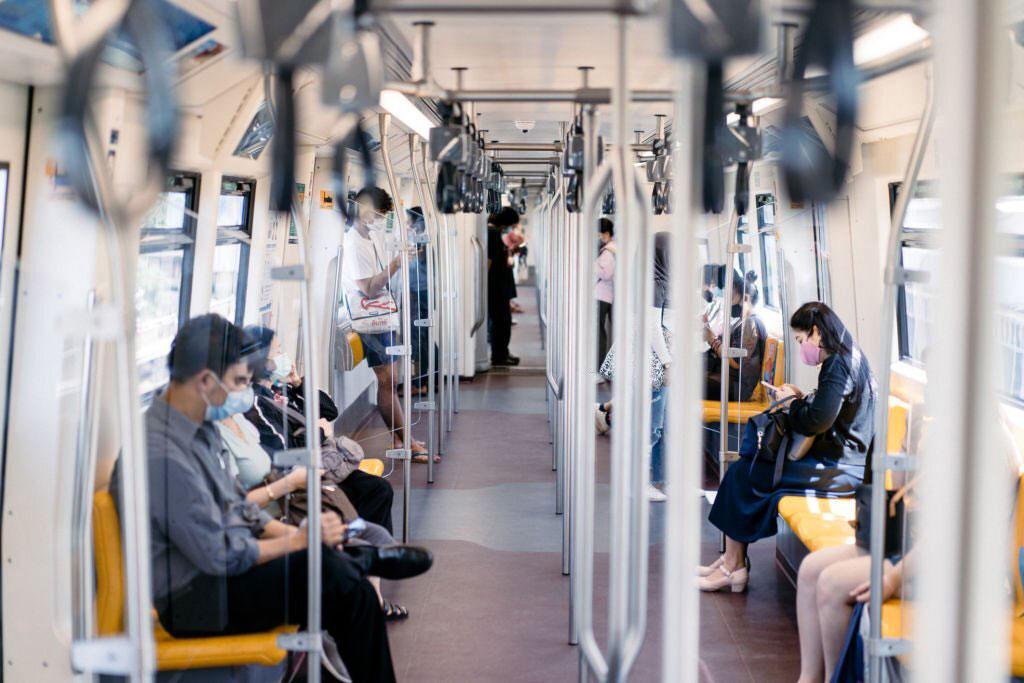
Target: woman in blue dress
839, 414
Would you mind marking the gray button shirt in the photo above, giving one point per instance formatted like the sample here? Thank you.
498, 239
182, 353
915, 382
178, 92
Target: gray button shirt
200, 520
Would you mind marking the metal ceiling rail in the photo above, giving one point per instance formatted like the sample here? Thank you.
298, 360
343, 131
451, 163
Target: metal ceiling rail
615, 7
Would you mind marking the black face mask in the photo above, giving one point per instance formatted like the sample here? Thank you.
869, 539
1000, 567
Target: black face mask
708, 296
736, 310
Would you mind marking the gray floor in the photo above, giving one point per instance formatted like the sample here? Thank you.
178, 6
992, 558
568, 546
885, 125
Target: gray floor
494, 607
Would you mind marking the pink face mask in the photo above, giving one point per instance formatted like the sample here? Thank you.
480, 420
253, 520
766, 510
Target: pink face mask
809, 353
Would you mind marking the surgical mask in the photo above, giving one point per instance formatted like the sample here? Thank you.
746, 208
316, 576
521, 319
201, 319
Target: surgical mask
736, 311
810, 353
282, 366
236, 402
708, 296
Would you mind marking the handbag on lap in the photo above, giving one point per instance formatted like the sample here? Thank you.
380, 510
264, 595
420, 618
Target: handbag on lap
769, 439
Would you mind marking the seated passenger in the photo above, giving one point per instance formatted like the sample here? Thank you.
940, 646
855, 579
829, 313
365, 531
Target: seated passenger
366, 277
279, 415
251, 465
221, 566
839, 414
832, 580
747, 332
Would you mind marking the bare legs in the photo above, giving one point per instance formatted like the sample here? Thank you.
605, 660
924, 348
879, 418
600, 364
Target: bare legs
823, 606
387, 400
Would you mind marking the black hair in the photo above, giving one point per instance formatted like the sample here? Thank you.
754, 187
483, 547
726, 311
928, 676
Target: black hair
258, 340
746, 285
835, 338
208, 342
505, 218
379, 197
606, 227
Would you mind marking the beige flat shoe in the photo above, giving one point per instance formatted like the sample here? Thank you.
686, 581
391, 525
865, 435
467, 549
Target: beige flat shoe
734, 581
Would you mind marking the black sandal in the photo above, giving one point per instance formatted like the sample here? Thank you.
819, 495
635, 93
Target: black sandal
393, 612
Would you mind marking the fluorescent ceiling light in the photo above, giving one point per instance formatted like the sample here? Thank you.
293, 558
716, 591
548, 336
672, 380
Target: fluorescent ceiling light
889, 37
402, 108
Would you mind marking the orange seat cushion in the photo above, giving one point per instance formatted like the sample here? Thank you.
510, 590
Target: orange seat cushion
372, 466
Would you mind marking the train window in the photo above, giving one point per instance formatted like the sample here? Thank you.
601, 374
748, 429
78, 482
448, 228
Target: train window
231, 255
914, 300
741, 238
164, 278
770, 272
917, 251
821, 253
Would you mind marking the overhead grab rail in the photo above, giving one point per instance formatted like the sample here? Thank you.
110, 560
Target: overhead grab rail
81, 39
403, 351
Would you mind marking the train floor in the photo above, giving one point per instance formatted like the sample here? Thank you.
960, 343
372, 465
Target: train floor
494, 607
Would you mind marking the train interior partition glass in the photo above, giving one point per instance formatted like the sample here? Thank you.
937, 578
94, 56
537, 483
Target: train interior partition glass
496, 341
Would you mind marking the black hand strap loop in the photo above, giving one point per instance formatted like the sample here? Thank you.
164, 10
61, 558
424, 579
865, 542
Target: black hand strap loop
812, 173
150, 36
282, 178
714, 120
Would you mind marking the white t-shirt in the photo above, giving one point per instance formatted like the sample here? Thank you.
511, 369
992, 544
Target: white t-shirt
363, 258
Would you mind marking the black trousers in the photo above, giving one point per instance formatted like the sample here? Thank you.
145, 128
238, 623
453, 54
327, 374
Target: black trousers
371, 496
272, 594
500, 312
604, 330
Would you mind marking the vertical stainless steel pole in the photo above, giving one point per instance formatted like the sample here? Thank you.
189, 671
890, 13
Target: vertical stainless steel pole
592, 661
332, 332
85, 484
428, 247
442, 262
894, 276
965, 488
632, 392
680, 650
404, 351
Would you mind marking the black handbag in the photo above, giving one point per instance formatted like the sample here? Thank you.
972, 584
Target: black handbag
769, 439
895, 515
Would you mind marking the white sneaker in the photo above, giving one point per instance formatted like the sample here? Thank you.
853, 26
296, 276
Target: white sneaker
655, 495
600, 419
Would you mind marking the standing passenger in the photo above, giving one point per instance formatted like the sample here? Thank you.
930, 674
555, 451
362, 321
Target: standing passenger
604, 290
500, 286
366, 277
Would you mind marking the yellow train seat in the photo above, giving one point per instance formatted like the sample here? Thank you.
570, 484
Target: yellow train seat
372, 466
772, 371
172, 654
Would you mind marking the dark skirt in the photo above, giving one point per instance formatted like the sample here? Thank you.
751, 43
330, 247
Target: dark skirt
746, 510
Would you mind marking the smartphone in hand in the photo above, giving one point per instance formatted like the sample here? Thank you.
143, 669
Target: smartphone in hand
772, 391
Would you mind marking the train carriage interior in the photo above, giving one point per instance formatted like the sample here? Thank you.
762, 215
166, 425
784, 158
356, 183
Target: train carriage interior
494, 340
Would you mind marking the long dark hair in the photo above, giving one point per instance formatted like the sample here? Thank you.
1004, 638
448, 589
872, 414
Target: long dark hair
746, 286
835, 338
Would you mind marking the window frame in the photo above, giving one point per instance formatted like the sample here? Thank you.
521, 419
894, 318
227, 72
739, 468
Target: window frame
771, 291
241, 235
185, 240
914, 238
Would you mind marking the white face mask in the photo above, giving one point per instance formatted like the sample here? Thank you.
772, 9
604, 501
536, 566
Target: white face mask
282, 366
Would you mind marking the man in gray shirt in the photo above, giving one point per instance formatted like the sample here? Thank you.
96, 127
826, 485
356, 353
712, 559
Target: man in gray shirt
221, 565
